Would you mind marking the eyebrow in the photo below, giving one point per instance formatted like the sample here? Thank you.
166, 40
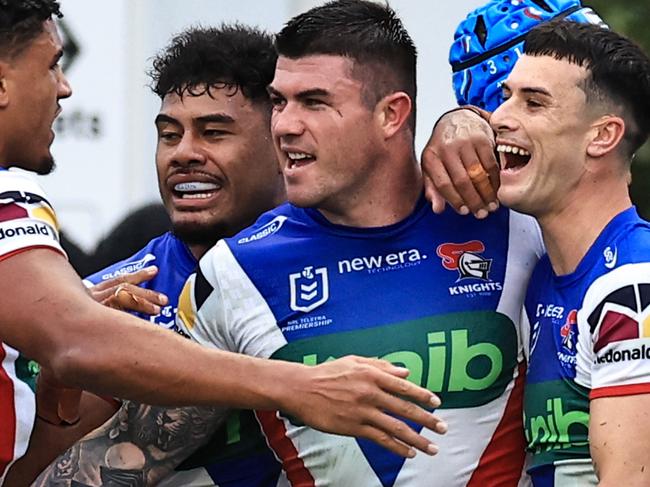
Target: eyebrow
210, 118
529, 89
302, 94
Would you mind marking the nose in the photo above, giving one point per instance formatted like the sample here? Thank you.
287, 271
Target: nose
503, 118
287, 121
64, 88
187, 152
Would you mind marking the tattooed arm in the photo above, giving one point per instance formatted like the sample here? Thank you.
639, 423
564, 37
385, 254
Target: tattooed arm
139, 446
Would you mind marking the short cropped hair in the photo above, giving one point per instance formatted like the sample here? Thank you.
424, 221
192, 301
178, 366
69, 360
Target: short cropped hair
230, 56
368, 33
618, 71
21, 21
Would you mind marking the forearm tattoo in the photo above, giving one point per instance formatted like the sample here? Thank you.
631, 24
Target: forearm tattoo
139, 446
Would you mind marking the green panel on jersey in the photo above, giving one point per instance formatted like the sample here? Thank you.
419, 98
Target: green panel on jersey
468, 358
556, 421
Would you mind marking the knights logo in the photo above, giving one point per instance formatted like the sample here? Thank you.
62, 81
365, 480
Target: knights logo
466, 258
568, 331
309, 289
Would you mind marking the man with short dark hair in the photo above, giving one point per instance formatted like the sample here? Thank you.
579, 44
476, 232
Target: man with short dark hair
48, 315
217, 171
576, 110
357, 261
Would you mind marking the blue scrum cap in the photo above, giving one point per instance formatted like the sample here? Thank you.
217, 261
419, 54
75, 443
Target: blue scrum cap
490, 40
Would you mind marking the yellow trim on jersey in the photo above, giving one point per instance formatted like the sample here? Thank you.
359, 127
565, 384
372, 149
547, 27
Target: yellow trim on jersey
46, 214
185, 311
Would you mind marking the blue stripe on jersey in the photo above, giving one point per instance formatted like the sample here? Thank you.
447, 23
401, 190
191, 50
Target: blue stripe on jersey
544, 476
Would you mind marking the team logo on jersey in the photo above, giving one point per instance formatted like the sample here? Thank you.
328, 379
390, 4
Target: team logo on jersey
465, 258
266, 230
130, 267
568, 332
610, 257
309, 289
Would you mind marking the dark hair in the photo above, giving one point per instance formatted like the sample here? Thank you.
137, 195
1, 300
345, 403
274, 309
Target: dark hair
21, 21
619, 70
229, 56
368, 33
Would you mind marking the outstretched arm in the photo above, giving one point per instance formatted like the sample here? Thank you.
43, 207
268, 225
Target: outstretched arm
48, 315
140, 445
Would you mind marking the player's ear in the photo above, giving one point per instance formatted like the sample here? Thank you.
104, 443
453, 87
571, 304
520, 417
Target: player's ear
393, 111
607, 133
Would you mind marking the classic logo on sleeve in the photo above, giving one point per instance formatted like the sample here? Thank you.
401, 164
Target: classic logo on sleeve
309, 289
266, 230
130, 267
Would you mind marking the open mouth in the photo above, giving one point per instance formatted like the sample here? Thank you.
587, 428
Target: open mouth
299, 159
195, 190
512, 157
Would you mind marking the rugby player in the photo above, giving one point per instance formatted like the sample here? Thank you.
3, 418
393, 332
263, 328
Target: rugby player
48, 315
573, 85
577, 110
459, 163
325, 283
360, 262
213, 135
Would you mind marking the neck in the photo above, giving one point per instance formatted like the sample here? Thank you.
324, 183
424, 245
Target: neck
388, 197
198, 250
570, 231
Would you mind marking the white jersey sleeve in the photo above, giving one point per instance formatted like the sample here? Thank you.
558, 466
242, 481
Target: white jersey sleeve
614, 333
220, 307
27, 220
527, 244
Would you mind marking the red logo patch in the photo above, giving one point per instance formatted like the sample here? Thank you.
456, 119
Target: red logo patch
450, 253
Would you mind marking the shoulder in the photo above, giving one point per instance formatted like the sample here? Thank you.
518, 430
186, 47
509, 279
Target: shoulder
15, 180
147, 255
267, 226
21, 196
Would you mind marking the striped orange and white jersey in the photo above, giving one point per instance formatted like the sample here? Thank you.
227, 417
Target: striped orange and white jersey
27, 221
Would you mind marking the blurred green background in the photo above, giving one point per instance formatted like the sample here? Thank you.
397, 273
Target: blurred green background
630, 17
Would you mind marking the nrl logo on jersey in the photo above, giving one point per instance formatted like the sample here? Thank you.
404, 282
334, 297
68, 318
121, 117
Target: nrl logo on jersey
466, 259
309, 289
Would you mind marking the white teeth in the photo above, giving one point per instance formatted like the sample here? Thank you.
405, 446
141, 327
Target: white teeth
294, 156
196, 196
195, 186
512, 149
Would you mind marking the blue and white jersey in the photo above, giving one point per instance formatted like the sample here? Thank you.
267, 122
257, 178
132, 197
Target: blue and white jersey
439, 294
175, 263
581, 324
237, 455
